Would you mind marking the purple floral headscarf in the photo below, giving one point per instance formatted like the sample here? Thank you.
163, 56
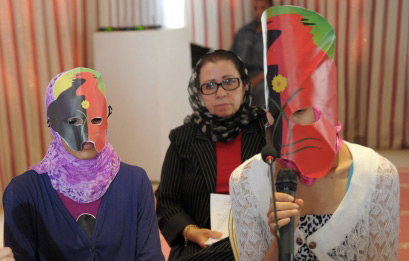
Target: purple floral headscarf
83, 181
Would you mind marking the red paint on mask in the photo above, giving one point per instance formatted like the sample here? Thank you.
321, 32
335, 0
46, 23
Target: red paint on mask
97, 109
311, 81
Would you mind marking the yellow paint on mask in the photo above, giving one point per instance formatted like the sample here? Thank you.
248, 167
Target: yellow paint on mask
65, 80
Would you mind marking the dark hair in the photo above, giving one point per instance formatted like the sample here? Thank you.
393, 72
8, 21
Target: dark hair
218, 55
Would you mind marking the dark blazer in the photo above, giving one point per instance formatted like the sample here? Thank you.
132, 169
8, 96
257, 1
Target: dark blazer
189, 176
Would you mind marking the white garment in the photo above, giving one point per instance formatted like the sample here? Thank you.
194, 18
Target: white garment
365, 226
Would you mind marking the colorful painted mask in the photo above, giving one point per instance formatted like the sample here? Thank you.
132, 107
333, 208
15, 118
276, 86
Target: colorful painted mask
299, 47
79, 112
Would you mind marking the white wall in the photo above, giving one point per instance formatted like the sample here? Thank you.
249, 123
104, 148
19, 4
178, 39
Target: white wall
146, 75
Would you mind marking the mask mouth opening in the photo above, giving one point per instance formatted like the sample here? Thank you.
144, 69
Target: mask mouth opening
87, 144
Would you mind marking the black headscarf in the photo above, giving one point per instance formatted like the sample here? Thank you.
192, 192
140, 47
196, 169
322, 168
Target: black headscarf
221, 129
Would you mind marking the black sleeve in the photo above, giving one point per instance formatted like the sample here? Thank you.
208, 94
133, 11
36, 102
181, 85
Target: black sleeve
19, 233
172, 217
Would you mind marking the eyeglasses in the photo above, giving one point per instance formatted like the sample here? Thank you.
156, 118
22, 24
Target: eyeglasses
228, 84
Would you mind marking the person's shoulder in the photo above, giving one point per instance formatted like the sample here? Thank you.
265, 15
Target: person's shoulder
249, 27
131, 180
370, 159
132, 171
183, 133
241, 34
24, 185
25, 179
184, 127
129, 167
131, 175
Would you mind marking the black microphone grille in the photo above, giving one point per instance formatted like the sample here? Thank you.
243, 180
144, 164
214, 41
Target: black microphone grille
286, 180
268, 151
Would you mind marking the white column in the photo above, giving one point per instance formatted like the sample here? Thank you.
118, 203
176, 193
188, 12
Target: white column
146, 74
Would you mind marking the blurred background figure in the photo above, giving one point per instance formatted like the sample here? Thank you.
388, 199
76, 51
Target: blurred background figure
248, 44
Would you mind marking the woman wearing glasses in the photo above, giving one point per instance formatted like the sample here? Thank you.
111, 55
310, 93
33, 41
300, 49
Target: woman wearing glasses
222, 132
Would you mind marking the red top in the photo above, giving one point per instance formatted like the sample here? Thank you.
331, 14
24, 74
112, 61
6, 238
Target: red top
228, 157
77, 209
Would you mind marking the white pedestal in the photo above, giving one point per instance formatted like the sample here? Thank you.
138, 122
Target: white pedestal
146, 74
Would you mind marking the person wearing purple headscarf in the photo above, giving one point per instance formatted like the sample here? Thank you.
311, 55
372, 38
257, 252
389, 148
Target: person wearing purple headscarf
80, 202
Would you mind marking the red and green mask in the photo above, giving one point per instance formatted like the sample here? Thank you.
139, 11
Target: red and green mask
79, 110
299, 47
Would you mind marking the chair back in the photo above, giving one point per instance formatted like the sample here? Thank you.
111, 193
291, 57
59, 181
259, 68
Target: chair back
232, 237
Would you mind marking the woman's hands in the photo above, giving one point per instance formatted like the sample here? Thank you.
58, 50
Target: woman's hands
286, 208
6, 254
200, 235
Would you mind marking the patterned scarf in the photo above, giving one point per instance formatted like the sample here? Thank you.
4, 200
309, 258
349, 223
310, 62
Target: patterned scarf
220, 129
83, 181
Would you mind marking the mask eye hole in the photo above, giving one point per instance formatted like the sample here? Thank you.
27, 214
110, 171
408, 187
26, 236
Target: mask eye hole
96, 121
75, 121
305, 116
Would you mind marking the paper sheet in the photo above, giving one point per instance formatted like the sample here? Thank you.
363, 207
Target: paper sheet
219, 215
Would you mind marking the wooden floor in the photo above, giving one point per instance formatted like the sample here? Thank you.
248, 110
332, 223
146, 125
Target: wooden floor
401, 160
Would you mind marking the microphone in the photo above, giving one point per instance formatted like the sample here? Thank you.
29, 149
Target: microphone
286, 183
269, 154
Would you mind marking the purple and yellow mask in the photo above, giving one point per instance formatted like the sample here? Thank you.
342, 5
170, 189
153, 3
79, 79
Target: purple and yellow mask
299, 47
79, 110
